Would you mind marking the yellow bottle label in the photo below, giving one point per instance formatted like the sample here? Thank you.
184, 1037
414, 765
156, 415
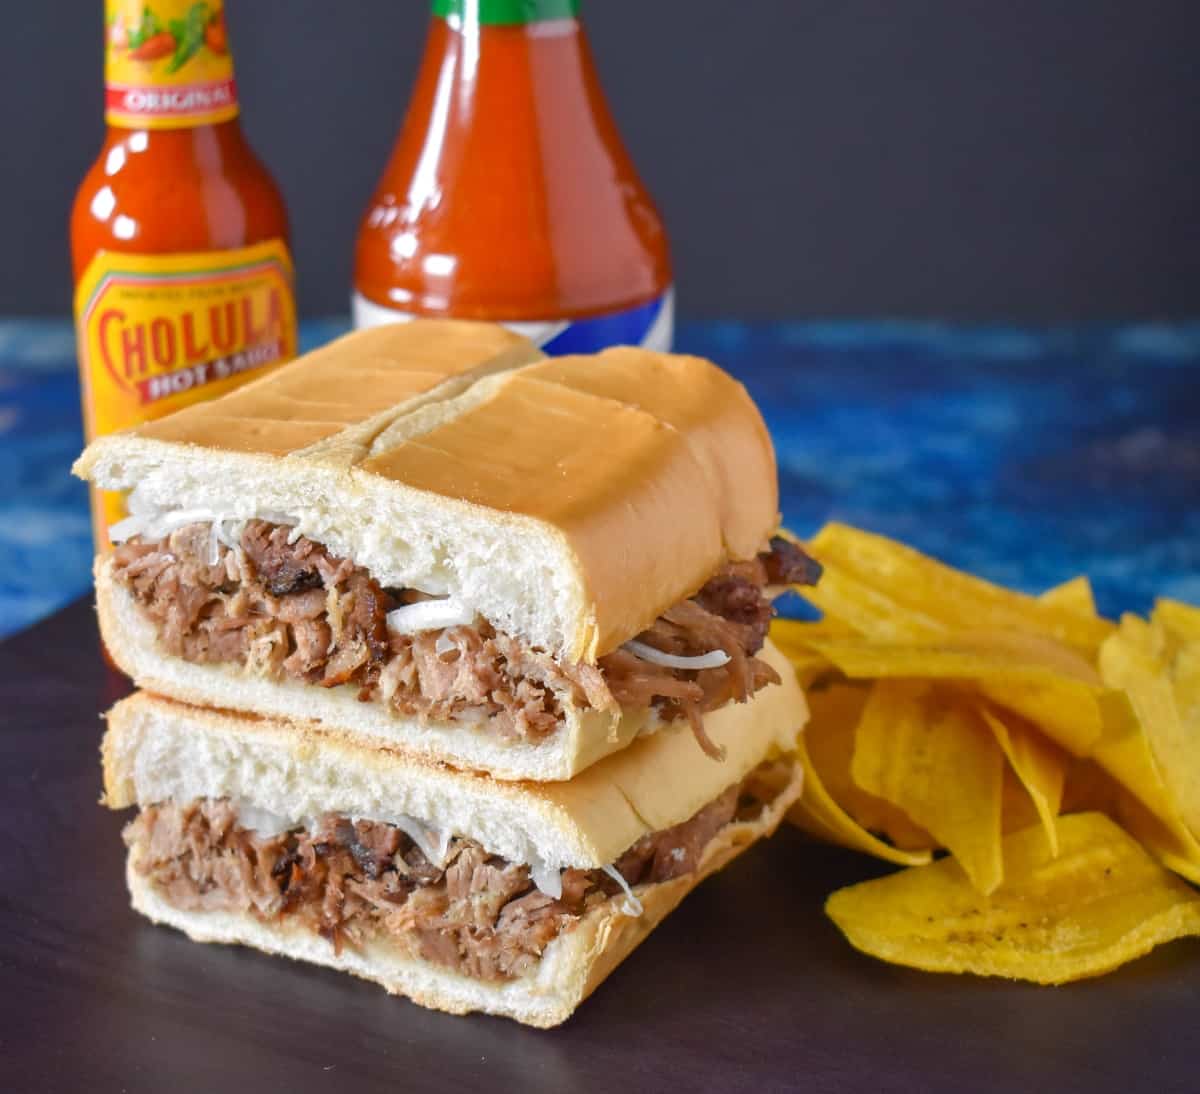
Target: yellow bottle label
167, 64
159, 332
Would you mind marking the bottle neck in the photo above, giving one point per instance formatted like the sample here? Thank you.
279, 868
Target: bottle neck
504, 12
167, 64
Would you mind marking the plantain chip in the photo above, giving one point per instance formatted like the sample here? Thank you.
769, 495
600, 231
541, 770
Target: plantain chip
1075, 596
965, 655
1038, 765
1160, 839
1089, 788
835, 709
1176, 630
1185, 681
819, 815
1184, 867
1122, 780
931, 756
936, 592
794, 638
1141, 660
1101, 903
1183, 620
1045, 682
865, 609
1017, 810
797, 635
951, 713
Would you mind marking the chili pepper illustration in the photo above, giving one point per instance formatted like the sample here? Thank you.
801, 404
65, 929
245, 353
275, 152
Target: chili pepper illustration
138, 34
154, 47
215, 35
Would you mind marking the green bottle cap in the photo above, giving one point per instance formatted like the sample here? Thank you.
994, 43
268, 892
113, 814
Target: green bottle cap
507, 12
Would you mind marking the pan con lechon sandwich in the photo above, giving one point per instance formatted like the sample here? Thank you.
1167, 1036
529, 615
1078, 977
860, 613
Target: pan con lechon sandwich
456, 890
429, 536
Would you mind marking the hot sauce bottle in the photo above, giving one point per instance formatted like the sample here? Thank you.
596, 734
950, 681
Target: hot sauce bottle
179, 237
509, 195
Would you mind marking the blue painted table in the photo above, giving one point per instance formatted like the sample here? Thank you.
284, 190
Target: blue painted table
1026, 455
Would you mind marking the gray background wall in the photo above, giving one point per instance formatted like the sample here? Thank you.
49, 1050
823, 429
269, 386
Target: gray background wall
976, 159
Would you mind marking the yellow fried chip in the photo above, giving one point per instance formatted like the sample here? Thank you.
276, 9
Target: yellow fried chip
1180, 618
1185, 868
1016, 810
1027, 648
1089, 788
1038, 765
938, 592
1157, 837
865, 609
1068, 712
1076, 712
797, 635
794, 639
1175, 639
1044, 682
834, 712
932, 757
1185, 681
1075, 595
1134, 661
1102, 902
1143, 802
818, 814
965, 655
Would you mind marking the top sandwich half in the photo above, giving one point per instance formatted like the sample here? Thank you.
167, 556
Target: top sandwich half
590, 536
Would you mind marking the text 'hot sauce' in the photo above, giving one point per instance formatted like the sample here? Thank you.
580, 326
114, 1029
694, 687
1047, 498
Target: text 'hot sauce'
509, 195
183, 277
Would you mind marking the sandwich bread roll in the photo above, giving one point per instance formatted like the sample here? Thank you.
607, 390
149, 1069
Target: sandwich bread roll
544, 518
276, 790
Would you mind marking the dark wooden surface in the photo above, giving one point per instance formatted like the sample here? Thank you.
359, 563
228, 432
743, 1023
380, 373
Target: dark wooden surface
746, 987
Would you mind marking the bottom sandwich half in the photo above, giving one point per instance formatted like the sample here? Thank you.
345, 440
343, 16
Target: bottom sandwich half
458, 891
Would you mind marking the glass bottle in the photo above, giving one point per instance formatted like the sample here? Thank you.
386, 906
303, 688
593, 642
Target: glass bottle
509, 195
179, 236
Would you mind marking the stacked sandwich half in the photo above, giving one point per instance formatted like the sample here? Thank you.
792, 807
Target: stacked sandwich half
455, 660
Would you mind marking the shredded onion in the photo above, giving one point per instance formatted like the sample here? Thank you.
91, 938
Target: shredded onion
262, 821
433, 844
231, 536
632, 905
126, 529
547, 878
155, 524
444, 644
714, 659
429, 615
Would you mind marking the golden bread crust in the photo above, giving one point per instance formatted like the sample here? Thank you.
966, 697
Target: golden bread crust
630, 475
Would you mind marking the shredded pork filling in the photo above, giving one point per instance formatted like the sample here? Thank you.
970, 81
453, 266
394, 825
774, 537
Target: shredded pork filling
352, 881
283, 606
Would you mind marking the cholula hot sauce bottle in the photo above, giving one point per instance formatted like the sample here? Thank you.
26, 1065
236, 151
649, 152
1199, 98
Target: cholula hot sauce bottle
179, 237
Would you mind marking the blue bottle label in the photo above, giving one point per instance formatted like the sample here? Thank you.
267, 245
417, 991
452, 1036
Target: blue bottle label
651, 326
